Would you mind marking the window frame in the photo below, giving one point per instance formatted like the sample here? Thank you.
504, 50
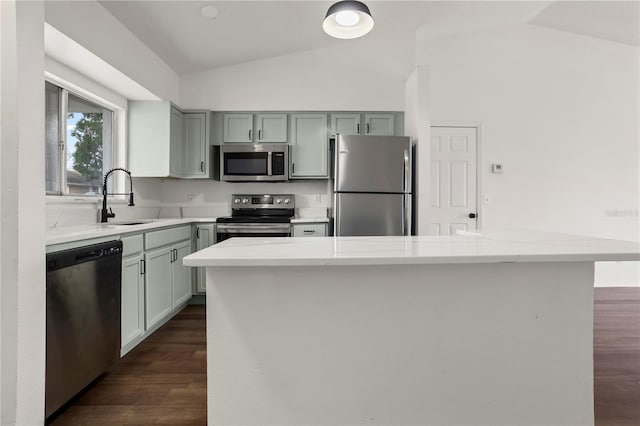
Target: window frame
116, 144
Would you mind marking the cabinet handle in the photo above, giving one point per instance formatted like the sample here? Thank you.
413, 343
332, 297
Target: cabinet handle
309, 231
175, 255
143, 267
250, 134
198, 233
260, 134
202, 166
358, 128
293, 168
367, 128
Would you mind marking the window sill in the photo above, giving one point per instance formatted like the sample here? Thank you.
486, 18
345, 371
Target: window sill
78, 199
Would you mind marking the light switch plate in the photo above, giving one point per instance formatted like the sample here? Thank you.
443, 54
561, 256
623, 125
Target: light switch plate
496, 168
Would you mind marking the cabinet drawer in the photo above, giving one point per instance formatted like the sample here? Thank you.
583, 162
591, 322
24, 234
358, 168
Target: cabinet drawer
132, 245
166, 236
310, 230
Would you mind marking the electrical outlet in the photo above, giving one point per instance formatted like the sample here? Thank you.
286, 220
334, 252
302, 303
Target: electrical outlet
318, 199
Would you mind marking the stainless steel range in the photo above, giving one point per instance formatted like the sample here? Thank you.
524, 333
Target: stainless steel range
257, 215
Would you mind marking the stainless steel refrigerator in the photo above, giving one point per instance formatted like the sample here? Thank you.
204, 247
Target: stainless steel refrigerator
372, 180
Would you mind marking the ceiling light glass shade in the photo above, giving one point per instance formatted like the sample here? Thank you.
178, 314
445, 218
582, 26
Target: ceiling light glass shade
348, 19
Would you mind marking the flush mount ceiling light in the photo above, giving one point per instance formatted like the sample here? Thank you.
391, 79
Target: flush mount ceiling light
348, 19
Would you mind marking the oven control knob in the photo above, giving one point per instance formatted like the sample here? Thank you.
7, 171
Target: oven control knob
278, 200
236, 201
245, 201
286, 201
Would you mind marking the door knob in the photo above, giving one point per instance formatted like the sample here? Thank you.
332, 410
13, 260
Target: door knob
472, 215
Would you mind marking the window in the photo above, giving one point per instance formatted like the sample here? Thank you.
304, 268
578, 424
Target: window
79, 143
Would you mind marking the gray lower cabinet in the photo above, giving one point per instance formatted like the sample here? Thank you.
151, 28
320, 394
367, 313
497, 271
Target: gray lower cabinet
159, 277
155, 284
205, 237
132, 301
167, 282
309, 230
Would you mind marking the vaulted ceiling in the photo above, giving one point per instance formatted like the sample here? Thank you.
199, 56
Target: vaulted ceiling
244, 31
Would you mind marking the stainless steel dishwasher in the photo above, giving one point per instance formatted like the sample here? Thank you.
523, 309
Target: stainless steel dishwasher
83, 318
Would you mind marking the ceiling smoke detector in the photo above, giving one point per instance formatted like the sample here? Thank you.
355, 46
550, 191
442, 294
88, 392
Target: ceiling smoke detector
209, 12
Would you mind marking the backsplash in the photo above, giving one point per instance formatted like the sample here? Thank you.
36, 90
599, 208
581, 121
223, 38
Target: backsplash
173, 198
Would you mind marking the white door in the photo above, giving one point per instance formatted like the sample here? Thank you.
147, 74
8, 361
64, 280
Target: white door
453, 180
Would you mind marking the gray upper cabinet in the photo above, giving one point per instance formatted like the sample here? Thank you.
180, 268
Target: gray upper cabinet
164, 141
269, 128
382, 124
238, 128
346, 124
196, 129
154, 139
309, 147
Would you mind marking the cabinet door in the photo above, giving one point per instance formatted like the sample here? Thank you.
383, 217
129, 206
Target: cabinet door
205, 236
158, 284
345, 124
175, 143
309, 230
195, 147
132, 324
181, 274
379, 124
309, 146
271, 128
238, 128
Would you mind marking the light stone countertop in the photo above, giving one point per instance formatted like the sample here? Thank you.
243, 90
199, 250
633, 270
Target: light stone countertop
69, 234
482, 247
85, 232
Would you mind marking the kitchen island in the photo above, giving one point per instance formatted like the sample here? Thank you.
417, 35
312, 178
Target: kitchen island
488, 328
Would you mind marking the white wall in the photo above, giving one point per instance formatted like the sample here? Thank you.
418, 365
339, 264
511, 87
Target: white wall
23, 213
561, 113
92, 26
355, 75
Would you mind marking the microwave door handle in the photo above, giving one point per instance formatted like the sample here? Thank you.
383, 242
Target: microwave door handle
269, 164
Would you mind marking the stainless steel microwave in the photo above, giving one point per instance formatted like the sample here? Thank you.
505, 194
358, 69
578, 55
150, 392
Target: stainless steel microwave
247, 162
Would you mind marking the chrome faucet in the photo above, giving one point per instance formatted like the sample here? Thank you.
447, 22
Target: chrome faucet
105, 215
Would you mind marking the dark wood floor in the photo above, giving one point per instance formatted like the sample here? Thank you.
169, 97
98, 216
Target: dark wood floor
163, 380
616, 356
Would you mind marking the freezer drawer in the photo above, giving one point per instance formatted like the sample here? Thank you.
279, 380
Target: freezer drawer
372, 164
358, 214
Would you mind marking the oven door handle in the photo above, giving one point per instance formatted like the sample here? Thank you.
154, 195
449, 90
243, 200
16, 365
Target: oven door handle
253, 228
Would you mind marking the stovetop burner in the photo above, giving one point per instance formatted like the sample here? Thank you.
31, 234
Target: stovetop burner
263, 208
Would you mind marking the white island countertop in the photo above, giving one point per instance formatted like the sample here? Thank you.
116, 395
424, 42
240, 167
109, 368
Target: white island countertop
500, 246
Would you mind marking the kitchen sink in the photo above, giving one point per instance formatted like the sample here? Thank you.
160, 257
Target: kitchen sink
133, 222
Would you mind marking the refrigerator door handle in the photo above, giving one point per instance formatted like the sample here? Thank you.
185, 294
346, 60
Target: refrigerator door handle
336, 215
406, 214
405, 172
